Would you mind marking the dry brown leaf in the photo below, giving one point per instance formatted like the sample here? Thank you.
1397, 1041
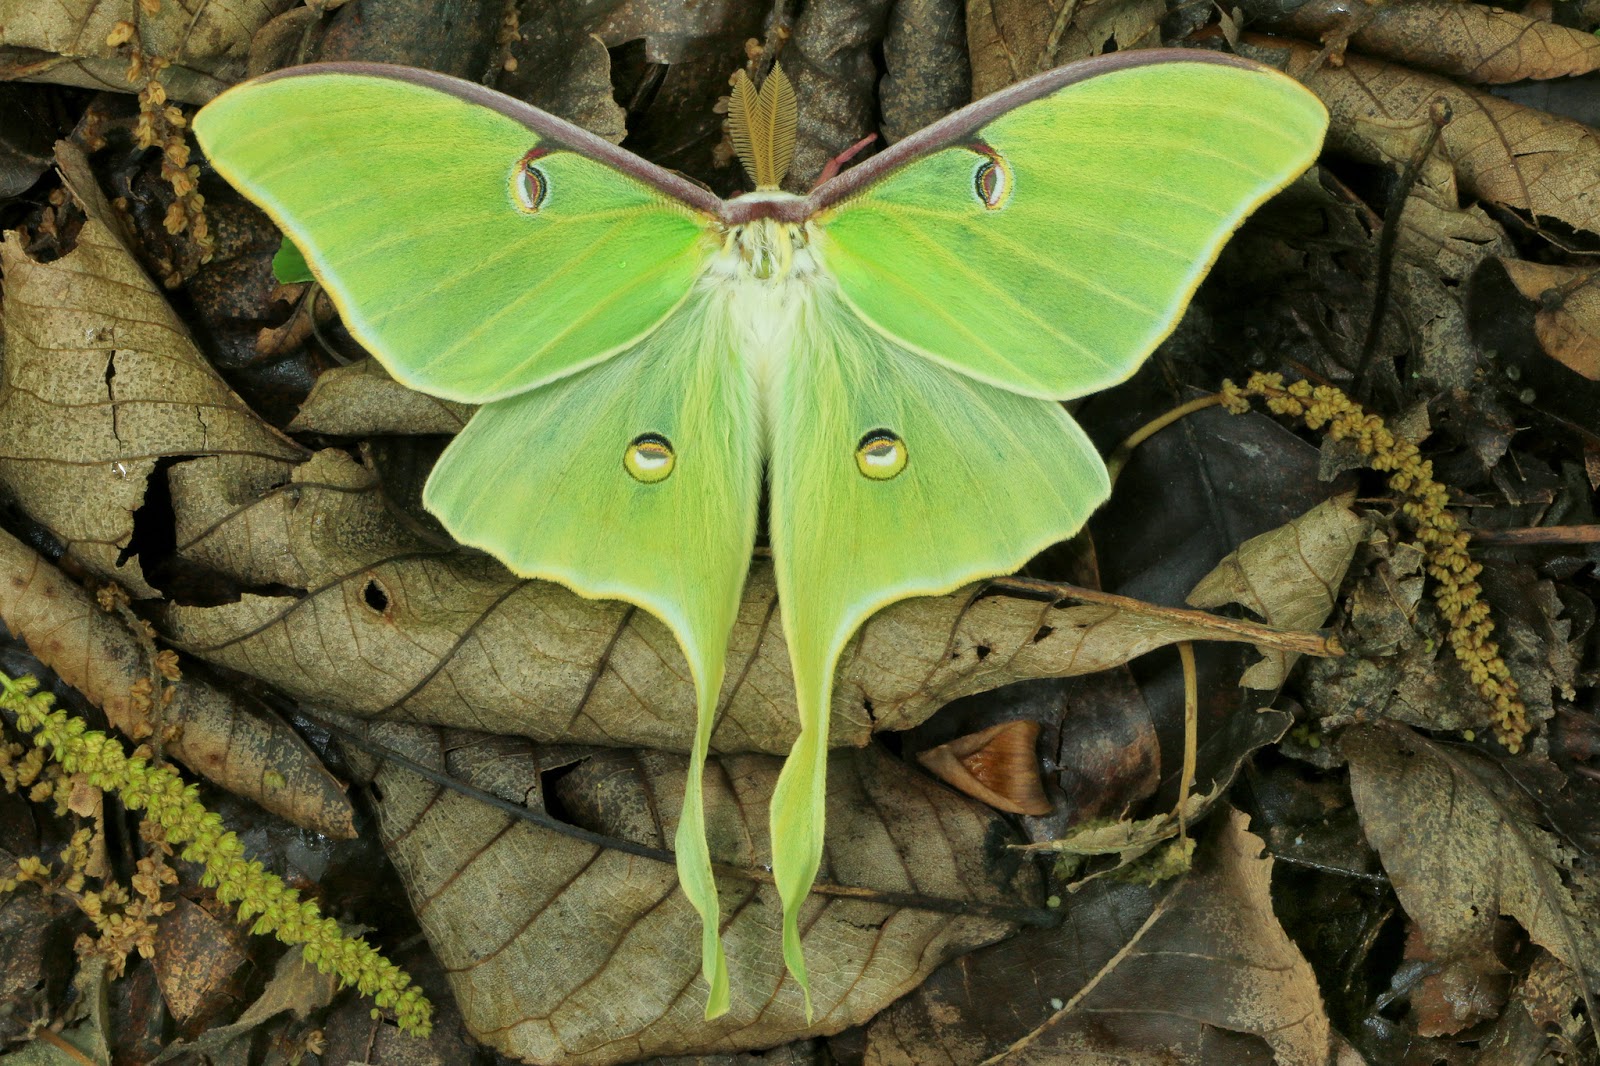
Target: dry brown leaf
1402, 666
196, 958
1531, 161
65, 42
1200, 972
1225, 750
1289, 577
101, 381
362, 400
1453, 994
28, 924
1462, 847
375, 616
1472, 42
248, 753
1568, 320
295, 986
1014, 39
998, 766
560, 951
1129, 839
1545, 1012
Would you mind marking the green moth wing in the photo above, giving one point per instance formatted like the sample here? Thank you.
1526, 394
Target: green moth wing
1048, 237
1038, 244
478, 247
620, 328
893, 477
637, 479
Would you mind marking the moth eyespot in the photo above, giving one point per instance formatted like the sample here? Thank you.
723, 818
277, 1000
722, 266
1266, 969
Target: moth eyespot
991, 182
649, 458
881, 455
529, 186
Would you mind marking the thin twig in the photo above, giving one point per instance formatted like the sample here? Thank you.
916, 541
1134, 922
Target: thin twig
1538, 535
1438, 118
1305, 642
1191, 716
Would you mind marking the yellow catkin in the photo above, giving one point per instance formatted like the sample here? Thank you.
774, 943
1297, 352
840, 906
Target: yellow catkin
1425, 501
163, 125
174, 820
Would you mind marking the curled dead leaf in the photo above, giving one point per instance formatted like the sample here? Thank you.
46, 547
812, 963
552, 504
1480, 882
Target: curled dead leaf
76, 42
1009, 40
362, 400
557, 64
217, 736
1567, 322
1130, 840
1533, 162
1462, 847
1472, 42
101, 383
1213, 975
997, 766
197, 956
1289, 577
1545, 1010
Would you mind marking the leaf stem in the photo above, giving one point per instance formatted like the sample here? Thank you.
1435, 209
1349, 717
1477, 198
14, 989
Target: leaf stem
1123, 452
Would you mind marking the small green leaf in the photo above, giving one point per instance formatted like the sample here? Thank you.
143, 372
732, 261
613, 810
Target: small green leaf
289, 266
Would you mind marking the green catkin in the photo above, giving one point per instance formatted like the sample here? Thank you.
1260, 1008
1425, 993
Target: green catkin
1456, 590
258, 896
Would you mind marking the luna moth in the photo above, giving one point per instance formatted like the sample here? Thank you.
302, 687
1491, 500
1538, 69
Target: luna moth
886, 355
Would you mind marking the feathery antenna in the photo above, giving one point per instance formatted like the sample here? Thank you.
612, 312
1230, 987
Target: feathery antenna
761, 125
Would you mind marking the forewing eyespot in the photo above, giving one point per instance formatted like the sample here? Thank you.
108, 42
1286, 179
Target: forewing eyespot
530, 186
991, 178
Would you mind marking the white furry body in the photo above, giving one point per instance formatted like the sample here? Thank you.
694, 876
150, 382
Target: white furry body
766, 280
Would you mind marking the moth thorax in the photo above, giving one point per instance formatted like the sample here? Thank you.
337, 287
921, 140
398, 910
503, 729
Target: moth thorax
769, 250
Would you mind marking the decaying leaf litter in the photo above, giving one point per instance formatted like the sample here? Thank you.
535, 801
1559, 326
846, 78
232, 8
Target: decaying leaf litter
1377, 879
